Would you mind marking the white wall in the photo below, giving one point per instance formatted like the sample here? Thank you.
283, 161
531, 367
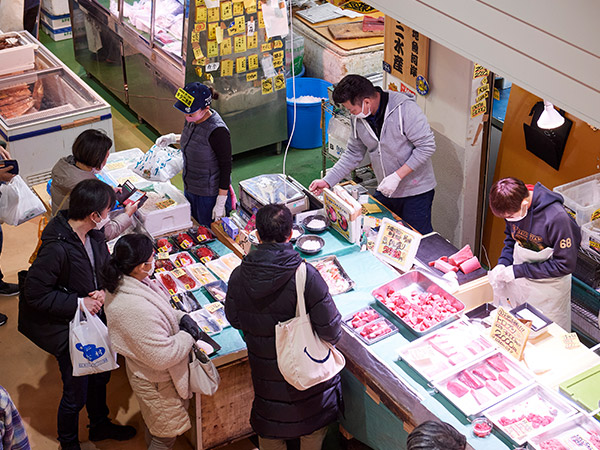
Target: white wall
549, 47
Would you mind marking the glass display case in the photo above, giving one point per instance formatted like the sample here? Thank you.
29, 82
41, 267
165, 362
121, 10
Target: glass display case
43, 110
144, 50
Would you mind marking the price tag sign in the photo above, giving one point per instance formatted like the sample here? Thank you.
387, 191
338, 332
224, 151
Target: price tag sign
165, 203
570, 340
509, 333
162, 255
213, 307
520, 429
397, 244
179, 272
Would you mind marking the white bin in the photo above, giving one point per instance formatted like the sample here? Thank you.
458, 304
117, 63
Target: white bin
582, 198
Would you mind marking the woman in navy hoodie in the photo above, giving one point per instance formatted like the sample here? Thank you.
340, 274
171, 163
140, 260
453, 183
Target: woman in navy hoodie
540, 248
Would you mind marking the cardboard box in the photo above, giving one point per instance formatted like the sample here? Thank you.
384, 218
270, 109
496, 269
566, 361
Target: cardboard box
57, 35
56, 22
56, 7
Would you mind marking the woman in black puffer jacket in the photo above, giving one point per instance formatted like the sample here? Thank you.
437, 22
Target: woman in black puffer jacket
261, 293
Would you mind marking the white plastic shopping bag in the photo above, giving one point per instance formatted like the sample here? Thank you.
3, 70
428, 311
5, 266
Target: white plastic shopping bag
18, 203
89, 344
159, 163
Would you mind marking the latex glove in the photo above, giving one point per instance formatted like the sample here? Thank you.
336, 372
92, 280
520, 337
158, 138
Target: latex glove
167, 139
190, 326
317, 186
219, 209
506, 275
389, 184
493, 274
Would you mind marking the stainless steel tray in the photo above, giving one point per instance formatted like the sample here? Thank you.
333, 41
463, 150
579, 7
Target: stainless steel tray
581, 431
347, 321
467, 402
345, 285
415, 281
444, 351
535, 399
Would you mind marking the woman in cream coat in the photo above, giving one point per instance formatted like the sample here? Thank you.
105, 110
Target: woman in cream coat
154, 338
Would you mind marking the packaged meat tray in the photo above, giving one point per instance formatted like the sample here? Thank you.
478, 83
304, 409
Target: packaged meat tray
202, 234
203, 253
217, 290
184, 279
185, 301
218, 312
185, 240
334, 274
168, 280
529, 413
483, 383
231, 260
182, 259
421, 305
361, 317
223, 266
580, 432
445, 350
368, 325
166, 245
201, 274
163, 265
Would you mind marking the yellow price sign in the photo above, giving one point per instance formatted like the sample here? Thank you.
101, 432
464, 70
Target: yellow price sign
266, 47
278, 62
213, 14
279, 82
201, 14
240, 64
162, 255
212, 49
253, 62
267, 86
278, 43
261, 22
252, 76
278, 55
250, 6
195, 37
253, 40
226, 47
184, 97
240, 24
212, 28
238, 7
227, 68
226, 11
179, 272
239, 44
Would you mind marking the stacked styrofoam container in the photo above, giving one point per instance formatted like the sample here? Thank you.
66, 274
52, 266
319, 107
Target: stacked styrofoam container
56, 20
582, 202
19, 58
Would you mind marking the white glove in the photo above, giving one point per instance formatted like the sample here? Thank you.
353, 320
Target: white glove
506, 275
219, 209
167, 139
493, 274
389, 184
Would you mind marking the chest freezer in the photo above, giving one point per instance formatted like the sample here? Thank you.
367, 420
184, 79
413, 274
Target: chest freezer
261, 190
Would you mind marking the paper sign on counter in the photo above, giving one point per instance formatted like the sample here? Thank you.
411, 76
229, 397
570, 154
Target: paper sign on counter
397, 244
509, 333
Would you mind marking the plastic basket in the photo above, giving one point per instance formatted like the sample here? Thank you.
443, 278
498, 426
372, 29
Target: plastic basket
582, 198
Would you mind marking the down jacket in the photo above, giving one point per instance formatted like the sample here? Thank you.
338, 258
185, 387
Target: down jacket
60, 274
261, 293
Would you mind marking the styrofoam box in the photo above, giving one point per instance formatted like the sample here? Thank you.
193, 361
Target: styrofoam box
56, 22
582, 198
590, 236
162, 221
56, 7
16, 59
57, 35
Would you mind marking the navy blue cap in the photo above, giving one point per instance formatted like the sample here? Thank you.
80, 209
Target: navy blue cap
192, 97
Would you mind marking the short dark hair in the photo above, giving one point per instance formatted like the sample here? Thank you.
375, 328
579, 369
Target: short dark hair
434, 435
353, 88
274, 223
90, 148
90, 196
130, 251
506, 196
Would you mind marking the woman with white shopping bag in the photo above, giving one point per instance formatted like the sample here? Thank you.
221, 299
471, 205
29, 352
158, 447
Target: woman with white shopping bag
540, 249
157, 348
262, 294
66, 273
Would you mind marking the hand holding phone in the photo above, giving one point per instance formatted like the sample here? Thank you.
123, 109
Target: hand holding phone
12, 163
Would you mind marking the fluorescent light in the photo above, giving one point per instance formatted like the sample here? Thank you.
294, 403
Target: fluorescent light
550, 117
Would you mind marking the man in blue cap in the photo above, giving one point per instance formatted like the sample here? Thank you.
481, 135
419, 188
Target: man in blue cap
206, 147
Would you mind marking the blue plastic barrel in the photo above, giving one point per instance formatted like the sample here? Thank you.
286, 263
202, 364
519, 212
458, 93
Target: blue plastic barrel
308, 115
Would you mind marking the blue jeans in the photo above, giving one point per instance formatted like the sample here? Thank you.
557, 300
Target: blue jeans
202, 207
88, 391
414, 210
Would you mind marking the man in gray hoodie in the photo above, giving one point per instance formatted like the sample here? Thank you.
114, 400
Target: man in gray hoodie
393, 130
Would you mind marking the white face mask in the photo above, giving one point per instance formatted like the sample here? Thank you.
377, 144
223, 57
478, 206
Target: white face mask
362, 114
102, 222
516, 219
151, 271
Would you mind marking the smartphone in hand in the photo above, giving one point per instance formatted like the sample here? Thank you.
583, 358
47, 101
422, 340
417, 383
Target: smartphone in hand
12, 163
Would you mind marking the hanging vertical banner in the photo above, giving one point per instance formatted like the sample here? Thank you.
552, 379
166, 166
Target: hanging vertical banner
405, 52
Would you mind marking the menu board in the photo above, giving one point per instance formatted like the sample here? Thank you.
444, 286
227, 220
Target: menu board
509, 333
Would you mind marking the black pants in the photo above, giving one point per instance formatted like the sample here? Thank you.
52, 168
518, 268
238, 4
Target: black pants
31, 20
88, 391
